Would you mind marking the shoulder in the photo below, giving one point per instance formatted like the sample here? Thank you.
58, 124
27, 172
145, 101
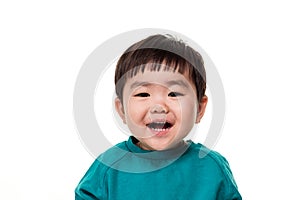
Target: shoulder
92, 185
105, 160
112, 155
212, 157
203, 153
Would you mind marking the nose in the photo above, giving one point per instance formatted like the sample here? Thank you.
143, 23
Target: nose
159, 108
159, 101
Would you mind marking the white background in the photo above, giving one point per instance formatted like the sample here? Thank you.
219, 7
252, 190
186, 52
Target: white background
254, 45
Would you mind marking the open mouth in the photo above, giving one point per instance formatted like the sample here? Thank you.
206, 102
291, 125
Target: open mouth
159, 126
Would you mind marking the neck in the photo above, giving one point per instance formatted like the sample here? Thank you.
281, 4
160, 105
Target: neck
146, 147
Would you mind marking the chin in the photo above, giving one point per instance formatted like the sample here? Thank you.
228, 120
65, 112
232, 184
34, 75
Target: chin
161, 147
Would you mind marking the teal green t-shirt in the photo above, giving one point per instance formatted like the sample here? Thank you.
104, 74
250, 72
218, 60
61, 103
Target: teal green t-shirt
126, 172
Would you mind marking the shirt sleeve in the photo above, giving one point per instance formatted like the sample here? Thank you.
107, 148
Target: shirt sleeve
229, 189
91, 186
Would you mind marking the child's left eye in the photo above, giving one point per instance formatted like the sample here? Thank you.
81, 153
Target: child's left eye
174, 94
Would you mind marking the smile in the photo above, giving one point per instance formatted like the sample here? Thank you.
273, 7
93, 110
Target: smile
159, 126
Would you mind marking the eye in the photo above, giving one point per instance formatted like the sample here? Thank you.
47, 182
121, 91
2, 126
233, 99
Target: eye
175, 94
142, 94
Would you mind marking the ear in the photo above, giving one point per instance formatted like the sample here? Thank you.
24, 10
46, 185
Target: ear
201, 108
120, 109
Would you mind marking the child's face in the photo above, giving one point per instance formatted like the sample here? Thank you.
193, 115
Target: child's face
160, 108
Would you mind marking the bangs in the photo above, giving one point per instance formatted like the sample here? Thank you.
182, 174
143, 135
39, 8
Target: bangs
165, 63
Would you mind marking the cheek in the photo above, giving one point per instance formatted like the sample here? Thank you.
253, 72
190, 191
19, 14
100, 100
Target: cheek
188, 110
135, 110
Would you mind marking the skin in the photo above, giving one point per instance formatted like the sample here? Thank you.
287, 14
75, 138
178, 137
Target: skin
160, 96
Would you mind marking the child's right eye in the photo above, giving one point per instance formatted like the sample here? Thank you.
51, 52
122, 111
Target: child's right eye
142, 94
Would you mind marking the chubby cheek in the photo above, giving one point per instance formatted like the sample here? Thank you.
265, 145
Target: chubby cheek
188, 112
135, 112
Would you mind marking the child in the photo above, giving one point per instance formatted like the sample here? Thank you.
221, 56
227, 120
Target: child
160, 85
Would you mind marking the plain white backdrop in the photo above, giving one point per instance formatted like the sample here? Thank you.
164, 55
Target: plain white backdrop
254, 45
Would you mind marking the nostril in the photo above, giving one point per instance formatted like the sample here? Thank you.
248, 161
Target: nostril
158, 109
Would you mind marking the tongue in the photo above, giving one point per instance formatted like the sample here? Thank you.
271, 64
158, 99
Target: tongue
158, 126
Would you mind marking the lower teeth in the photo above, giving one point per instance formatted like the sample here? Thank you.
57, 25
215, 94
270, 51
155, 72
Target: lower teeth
157, 130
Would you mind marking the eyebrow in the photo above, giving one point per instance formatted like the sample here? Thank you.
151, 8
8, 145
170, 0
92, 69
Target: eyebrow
168, 83
178, 82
